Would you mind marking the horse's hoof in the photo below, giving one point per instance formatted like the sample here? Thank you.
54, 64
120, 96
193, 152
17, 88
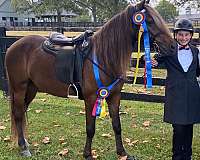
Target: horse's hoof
26, 143
25, 153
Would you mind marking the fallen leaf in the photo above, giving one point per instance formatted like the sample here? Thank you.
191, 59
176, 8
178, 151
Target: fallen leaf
64, 143
6, 120
94, 154
82, 112
64, 152
134, 126
38, 110
61, 140
107, 135
57, 125
35, 144
146, 124
7, 139
158, 146
134, 115
133, 142
68, 113
43, 100
46, 140
145, 141
2, 127
127, 140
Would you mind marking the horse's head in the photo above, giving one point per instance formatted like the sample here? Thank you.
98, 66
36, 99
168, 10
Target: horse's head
156, 27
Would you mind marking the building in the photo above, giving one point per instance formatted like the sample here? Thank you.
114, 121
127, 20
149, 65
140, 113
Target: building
9, 17
191, 13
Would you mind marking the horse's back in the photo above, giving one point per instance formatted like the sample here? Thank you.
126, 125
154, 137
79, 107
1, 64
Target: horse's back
18, 56
24, 45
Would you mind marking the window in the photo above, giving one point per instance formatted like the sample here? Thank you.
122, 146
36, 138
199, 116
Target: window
4, 18
16, 19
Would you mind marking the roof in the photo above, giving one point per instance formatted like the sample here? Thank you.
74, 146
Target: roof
190, 16
63, 14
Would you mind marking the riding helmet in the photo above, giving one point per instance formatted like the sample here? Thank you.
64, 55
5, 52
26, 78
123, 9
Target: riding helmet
183, 24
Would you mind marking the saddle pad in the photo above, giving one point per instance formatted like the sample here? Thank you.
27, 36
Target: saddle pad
69, 61
64, 65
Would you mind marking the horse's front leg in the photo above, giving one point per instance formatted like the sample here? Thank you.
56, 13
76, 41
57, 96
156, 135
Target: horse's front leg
113, 105
90, 127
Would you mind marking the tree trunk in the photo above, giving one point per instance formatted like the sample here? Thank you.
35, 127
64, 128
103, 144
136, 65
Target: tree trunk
60, 27
94, 14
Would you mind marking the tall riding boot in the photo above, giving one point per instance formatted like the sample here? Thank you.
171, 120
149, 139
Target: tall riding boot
182, 142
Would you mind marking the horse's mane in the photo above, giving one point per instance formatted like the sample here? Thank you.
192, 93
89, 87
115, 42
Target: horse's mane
112, 43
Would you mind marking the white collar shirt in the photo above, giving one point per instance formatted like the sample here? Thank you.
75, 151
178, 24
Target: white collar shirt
185, 58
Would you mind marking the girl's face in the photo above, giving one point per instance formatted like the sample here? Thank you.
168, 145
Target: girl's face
183, 37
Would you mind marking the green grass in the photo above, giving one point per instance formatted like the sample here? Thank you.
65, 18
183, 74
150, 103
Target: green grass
61, 118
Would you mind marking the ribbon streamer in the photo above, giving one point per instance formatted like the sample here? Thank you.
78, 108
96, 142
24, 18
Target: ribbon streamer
138, 54
147, 56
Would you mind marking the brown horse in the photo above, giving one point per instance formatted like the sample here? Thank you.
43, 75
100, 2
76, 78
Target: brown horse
30, 69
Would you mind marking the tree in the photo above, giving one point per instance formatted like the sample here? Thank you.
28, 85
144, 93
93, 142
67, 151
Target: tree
192, 3
110, 8
167, 10
104, 9
39, 7
101, 10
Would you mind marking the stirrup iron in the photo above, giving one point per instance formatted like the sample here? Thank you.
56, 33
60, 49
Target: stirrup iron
73, 86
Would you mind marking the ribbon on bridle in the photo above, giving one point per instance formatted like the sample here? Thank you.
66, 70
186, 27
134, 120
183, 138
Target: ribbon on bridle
139, 19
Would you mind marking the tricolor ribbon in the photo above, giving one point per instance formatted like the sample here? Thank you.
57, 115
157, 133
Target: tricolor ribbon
139, 19
99, 108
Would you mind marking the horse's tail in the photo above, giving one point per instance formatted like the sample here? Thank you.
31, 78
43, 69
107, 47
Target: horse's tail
13, 113
13, 126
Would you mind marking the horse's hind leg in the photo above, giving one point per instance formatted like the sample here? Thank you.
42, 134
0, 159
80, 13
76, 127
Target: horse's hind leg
18, 120
30, 94
113, 105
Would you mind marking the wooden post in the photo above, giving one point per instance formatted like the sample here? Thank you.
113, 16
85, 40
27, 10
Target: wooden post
2, 32
3, 78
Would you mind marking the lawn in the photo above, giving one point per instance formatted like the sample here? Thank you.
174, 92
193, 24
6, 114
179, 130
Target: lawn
63, 122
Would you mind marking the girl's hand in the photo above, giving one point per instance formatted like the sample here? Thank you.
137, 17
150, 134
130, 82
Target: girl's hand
154, 63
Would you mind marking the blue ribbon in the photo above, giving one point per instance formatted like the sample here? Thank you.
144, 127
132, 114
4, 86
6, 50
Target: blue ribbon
97, 75
96, 71
147, 56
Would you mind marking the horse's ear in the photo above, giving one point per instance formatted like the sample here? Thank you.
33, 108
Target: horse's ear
140, 5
